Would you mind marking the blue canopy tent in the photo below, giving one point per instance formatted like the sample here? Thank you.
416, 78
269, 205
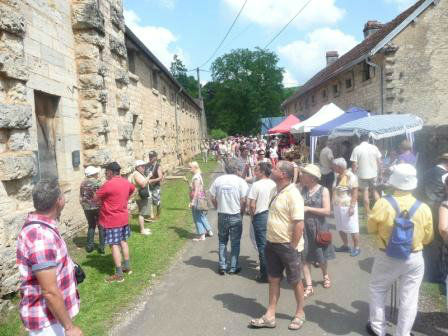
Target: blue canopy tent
268, 123
381, 126
353, 113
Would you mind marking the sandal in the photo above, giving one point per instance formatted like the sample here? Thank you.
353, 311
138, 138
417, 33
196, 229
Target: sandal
297, 323
309, 291
327, 281
263, 322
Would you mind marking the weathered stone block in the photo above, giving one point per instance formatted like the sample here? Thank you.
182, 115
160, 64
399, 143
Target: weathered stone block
91, 37
15, 116
13, 66
122, 77
102, 70
123, 102
117, 47
11, 22
117, 17
102, 97
86, 15
90, 108
91, 81
88, 66
126, 131
15, 165
19, 140
97, 157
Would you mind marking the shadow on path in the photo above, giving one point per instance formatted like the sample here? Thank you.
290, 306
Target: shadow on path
182, 233
366, 264
336, 320
434, 324
247, 306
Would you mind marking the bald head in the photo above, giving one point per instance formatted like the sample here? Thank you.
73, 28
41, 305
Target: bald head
286, 168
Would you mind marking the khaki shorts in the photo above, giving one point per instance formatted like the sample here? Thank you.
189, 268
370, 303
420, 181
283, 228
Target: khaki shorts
367, 183
143, 207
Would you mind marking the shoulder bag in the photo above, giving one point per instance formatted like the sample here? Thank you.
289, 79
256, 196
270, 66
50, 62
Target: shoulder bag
201, 202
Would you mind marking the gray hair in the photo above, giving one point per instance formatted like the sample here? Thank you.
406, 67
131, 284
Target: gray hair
233, 166
287, 168
340, 162
45, 194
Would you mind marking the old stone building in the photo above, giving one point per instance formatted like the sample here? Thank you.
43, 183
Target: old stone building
400, 67
78, 88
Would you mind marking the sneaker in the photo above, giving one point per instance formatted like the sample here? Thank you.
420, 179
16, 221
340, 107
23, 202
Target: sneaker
343, 248
235, 271
146, 232
209, 234
355, 252
261, 278
221, 271
372, 333
89, 248
115, 278
101, 250
127, 271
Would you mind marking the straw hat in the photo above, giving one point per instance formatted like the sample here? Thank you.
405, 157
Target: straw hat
404, 177
91, 170
312, 170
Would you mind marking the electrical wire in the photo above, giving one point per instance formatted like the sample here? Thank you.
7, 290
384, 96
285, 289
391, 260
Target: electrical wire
286, 25
227, 34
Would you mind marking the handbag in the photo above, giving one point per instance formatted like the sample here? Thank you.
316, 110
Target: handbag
323, 238
144, 192
80, 275
201, 203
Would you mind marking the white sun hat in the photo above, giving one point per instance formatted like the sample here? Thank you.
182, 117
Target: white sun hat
91, 170
404, 177
139, 163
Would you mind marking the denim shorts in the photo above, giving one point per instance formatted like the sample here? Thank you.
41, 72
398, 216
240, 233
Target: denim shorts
282, 257
114, 236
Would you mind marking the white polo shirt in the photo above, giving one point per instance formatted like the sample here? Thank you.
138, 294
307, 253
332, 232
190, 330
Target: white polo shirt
366, 157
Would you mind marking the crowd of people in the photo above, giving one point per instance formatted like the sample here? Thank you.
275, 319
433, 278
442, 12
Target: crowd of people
289, 207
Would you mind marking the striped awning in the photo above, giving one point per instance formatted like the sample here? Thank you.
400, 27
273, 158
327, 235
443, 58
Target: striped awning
380, 126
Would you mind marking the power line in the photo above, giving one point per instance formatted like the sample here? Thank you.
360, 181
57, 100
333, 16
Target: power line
285, 26
227, 34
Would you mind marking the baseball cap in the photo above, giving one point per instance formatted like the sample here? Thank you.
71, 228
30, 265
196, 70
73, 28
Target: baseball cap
91, 170
139, 163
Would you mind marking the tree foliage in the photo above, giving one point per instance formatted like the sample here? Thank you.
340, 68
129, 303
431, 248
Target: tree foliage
179, 72
218, 134
246, 86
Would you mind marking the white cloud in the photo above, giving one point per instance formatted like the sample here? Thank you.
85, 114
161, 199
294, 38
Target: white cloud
289, 80
402, 4
275, 13
306, 57
157, 39
168, 4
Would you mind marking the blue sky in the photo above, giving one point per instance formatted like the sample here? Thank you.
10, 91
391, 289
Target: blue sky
193, 28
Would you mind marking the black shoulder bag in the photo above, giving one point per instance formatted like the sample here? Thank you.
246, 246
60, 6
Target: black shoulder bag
80, 275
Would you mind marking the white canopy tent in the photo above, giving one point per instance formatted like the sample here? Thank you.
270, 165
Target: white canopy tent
325, 114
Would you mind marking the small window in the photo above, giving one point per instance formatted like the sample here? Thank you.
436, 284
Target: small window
336, 89
366, 71
131, 61
324, 94
155, 79
164, 90
313, 100
300, 106
306, 103
348, 83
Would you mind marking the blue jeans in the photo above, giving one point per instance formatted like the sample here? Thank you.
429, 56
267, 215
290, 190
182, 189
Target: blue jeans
229, 226
201, 222
259, 222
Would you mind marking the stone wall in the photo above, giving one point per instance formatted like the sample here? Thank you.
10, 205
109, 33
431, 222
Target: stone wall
75, 53
363, 93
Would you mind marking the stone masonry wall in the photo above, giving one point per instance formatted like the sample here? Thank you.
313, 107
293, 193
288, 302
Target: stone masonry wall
363, 93
75, 52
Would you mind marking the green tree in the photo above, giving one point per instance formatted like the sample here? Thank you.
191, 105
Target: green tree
246, 86
179, 72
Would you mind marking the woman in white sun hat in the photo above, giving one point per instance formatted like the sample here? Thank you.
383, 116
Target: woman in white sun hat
140, 181
87, 191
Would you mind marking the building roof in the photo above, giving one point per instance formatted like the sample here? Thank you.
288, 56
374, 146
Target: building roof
368, 47
132, 37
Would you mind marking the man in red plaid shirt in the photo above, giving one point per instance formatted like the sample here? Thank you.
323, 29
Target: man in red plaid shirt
49, 298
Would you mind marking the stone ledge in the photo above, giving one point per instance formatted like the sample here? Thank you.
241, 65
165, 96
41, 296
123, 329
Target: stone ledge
133, 77
16, 165
117, 47
117, 17
87, 16
97, 157
15, 116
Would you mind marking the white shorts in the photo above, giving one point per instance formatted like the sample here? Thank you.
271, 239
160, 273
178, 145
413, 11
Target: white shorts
344, 222
52, 330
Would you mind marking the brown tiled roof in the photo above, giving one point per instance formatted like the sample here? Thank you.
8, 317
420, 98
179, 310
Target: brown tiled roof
357, 52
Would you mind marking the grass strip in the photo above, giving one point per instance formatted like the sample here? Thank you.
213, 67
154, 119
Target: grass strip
102, 303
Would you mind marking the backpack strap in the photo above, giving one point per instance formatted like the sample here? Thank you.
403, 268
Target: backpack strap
414, 208
393, 202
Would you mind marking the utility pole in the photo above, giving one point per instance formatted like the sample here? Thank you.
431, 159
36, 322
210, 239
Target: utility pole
199, 84
203, 122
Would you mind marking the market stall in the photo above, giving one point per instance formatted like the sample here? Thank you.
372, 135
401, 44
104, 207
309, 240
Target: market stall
324, 130
325, 114
285, 125
268, 123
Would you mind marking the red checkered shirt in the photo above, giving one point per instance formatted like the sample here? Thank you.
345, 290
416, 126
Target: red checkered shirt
40, 247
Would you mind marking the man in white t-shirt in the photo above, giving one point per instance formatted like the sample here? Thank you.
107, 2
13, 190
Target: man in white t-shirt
229, 197
366, 164
326, 164
259, 198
